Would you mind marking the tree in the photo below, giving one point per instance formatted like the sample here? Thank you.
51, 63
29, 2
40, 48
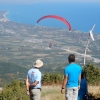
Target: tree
13, 91
51, 78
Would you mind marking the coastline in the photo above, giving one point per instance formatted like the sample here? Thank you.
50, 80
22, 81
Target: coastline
5, 19
5, 16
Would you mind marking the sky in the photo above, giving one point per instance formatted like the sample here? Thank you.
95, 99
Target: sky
39, 1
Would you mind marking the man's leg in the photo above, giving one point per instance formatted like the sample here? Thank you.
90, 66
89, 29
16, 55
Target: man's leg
69, 94
36, 94
75, 93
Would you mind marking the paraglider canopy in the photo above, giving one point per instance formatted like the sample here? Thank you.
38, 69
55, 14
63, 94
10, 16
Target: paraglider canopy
91, 34
56, 17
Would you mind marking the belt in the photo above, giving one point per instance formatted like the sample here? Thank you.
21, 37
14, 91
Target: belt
37, 88
34, 88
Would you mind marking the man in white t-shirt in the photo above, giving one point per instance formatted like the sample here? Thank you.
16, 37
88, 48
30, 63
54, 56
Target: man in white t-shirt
33, 81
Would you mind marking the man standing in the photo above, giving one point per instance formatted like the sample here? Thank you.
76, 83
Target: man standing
71, 80
33, 81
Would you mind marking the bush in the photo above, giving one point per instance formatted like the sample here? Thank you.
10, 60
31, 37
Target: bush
92, 74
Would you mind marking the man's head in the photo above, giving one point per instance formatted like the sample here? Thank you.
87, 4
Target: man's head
71, 58
38, 63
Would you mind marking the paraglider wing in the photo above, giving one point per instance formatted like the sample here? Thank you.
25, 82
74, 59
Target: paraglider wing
91, 34
56, 17
93, 27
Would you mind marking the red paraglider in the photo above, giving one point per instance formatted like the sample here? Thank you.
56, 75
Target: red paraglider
56, 17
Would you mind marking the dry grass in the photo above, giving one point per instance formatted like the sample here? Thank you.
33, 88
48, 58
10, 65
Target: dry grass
94, 90
54, 92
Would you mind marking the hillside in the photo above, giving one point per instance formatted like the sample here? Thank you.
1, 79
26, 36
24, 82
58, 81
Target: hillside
22, 44
11, 71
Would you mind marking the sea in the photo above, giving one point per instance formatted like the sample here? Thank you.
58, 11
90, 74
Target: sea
81, 16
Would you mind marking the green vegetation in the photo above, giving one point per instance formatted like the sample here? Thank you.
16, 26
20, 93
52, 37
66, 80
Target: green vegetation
92, 74
11, 71
52, 78
16, 89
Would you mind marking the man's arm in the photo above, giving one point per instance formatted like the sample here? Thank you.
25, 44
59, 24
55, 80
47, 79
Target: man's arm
35, 83
27, 86
64, 84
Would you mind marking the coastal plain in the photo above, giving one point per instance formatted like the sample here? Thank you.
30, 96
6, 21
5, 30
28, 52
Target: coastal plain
22, 44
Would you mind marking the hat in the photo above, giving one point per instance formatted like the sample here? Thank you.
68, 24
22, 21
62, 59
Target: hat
38, 63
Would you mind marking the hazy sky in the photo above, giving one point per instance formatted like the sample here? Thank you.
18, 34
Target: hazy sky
39, 1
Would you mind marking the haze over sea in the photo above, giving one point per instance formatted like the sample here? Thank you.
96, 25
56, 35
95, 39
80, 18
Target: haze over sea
81, 16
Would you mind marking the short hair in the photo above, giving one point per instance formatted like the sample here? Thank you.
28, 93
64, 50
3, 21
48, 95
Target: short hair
71, 58
82, 74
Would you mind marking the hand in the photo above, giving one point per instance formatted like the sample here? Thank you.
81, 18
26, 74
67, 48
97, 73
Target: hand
62, 91
78, 87
27, 93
